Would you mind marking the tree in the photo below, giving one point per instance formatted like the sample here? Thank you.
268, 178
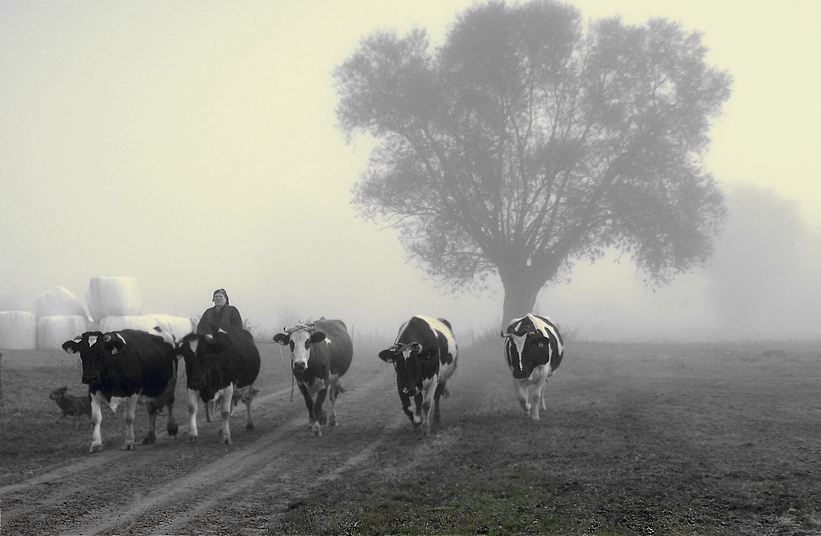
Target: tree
524, 143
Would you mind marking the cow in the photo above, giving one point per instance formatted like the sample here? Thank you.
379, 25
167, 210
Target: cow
424, 355
533, 350
128, 366
321, 353
223, 363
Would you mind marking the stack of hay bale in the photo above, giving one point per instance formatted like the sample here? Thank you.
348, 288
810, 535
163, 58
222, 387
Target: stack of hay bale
115, 304
60, 317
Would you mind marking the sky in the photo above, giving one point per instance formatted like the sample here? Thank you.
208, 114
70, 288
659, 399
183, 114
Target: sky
194, 146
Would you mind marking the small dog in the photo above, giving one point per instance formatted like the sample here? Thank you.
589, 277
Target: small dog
75, 406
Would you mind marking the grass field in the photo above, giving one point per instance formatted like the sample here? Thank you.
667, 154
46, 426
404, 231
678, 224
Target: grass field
636, 439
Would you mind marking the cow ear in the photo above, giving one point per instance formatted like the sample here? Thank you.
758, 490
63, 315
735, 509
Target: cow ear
72, 346
387, 356
317, 336
282, 339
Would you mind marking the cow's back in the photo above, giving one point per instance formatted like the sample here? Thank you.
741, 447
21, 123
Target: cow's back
244, 352
340, 348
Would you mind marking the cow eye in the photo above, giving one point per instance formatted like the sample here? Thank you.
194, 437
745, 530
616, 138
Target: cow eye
291, 344
307, 344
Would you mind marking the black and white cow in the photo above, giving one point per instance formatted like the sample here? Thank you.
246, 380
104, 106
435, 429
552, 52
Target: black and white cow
533, 350
128, 365
424, 356
224, 363
321, 353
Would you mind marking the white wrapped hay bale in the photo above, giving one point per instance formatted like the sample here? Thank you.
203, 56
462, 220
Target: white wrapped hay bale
113, 296
18, 330
58, 302
177, 326
53, 331
116, 323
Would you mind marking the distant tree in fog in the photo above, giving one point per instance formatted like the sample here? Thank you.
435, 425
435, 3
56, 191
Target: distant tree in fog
765, 278
526, 141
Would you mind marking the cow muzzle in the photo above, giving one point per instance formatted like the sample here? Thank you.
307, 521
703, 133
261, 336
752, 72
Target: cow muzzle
299, 366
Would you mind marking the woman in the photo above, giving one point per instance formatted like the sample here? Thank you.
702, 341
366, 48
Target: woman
221, 314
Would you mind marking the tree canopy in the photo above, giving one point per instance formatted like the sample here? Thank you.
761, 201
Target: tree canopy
528, 140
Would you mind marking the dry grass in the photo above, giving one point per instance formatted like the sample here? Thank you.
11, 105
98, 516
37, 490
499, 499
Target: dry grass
637, 439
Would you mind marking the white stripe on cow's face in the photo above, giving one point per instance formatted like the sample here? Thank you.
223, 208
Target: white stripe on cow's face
301, 351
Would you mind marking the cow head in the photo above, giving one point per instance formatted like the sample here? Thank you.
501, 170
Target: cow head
300, 338
92, 353
410, 360
198, 351
528, 345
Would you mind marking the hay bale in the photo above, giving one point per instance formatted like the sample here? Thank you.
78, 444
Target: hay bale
116, 323
58, 302
18, 330
113, 296
53, 331
177, 326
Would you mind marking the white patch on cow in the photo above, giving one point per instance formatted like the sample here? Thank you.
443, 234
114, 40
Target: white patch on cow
300, 353
316, 387
437, 325
193, 343
92, 340
114, 403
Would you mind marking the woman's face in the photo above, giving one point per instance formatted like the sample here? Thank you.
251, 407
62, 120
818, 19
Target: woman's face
219, 299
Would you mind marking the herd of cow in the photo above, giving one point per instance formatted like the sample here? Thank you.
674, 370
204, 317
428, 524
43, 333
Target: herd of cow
129, 365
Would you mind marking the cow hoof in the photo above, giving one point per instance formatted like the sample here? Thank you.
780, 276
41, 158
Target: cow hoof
226, 440
95, 448
250, 426
129, 446
193, 439
149, 440
172, 430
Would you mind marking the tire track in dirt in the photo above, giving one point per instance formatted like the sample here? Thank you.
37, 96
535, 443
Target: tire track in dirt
62, 485
96, 460
172, 507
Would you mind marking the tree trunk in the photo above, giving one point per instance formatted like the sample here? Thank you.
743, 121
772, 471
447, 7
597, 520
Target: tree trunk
520, 296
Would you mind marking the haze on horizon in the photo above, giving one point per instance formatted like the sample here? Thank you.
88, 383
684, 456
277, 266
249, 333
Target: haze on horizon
193, 146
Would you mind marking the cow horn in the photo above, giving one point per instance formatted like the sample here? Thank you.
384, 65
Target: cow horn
307, 327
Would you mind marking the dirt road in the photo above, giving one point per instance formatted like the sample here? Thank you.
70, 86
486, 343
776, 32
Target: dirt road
175, 487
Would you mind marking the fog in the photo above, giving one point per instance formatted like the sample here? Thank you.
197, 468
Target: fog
194, 147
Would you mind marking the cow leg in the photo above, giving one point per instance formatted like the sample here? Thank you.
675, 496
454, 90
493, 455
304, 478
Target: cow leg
440, 392
225, 413
522, 395
151, 436
333, 392
193, 406
309, 403
406, 404
536, 398
429, 391
247, 397
130, 408
96, 418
